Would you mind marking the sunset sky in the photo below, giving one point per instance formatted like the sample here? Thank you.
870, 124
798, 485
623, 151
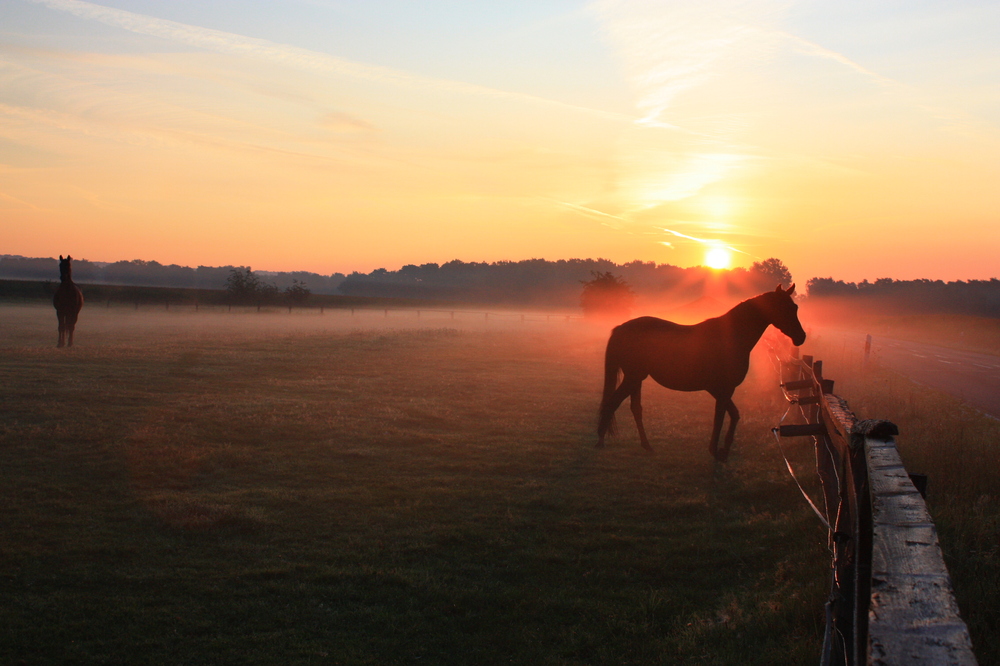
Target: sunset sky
850, 139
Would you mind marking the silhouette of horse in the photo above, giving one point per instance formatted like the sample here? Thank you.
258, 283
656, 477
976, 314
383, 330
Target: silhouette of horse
68, 301
712, 356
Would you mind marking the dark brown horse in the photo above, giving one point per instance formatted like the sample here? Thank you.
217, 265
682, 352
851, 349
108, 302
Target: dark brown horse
68, 301
712, 356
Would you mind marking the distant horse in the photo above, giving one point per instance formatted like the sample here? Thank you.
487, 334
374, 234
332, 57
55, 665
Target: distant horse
712, 356
68, 301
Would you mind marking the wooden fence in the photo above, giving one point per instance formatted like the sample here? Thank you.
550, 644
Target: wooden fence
891, 600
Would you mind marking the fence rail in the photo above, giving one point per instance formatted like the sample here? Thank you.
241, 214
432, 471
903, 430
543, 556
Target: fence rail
891, 600
416, 313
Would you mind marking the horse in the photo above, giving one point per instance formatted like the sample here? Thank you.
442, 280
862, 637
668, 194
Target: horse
68, 300
711, 356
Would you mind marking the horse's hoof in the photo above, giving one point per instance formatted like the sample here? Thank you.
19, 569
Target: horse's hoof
648, 447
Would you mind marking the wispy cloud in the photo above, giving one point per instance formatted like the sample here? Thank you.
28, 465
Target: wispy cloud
14, 201
233, 44
715, 242
617, 222
809, 48
345, 123
669, 49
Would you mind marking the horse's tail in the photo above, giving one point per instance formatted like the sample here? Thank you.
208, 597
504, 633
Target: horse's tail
606, 413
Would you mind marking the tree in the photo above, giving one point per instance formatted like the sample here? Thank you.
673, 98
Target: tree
773, 271
242, 286
606, 295
298, 293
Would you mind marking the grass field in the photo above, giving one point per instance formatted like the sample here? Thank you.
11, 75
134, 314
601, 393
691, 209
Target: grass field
302, 489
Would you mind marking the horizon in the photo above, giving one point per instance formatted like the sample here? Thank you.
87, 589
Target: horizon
849, 141
263, 271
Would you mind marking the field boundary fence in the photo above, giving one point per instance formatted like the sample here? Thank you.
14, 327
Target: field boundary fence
215, 300
386, 312
891, 600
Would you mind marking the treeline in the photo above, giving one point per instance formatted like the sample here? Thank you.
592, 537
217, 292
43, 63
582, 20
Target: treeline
530, 282
154, 274
538, 281
979, 298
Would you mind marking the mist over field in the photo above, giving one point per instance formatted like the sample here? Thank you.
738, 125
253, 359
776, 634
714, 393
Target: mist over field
430, 467
300, 486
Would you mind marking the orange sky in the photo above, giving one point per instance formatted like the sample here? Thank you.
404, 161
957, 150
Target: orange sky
850, 142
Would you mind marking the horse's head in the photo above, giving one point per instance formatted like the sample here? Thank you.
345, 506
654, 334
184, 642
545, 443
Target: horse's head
782, 312
65, 267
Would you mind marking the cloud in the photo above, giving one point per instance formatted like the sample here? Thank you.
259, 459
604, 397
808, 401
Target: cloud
346, 124
239, 45
809, 48
591, 212
715, 242
669, 49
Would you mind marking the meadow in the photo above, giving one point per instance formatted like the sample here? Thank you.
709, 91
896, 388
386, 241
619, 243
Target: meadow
294, 488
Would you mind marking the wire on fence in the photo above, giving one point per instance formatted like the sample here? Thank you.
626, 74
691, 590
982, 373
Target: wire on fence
899, 609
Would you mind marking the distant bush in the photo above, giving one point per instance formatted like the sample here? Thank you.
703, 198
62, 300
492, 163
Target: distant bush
606, 295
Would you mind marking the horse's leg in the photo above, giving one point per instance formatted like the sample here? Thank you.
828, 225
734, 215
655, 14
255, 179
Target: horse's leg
720, 413
636, 404
70, 328
62, 329
625, 389
734, 418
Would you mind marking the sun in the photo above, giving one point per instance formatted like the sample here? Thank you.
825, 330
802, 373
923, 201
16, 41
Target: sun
718, 257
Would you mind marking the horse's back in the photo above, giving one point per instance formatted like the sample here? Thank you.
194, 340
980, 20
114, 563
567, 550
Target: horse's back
641, 325
678, 356
643, 339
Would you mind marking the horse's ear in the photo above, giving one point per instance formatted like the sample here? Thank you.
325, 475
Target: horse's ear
790, 289
778, 288
60, 257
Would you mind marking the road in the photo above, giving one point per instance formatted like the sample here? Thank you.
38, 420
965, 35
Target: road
971, 377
